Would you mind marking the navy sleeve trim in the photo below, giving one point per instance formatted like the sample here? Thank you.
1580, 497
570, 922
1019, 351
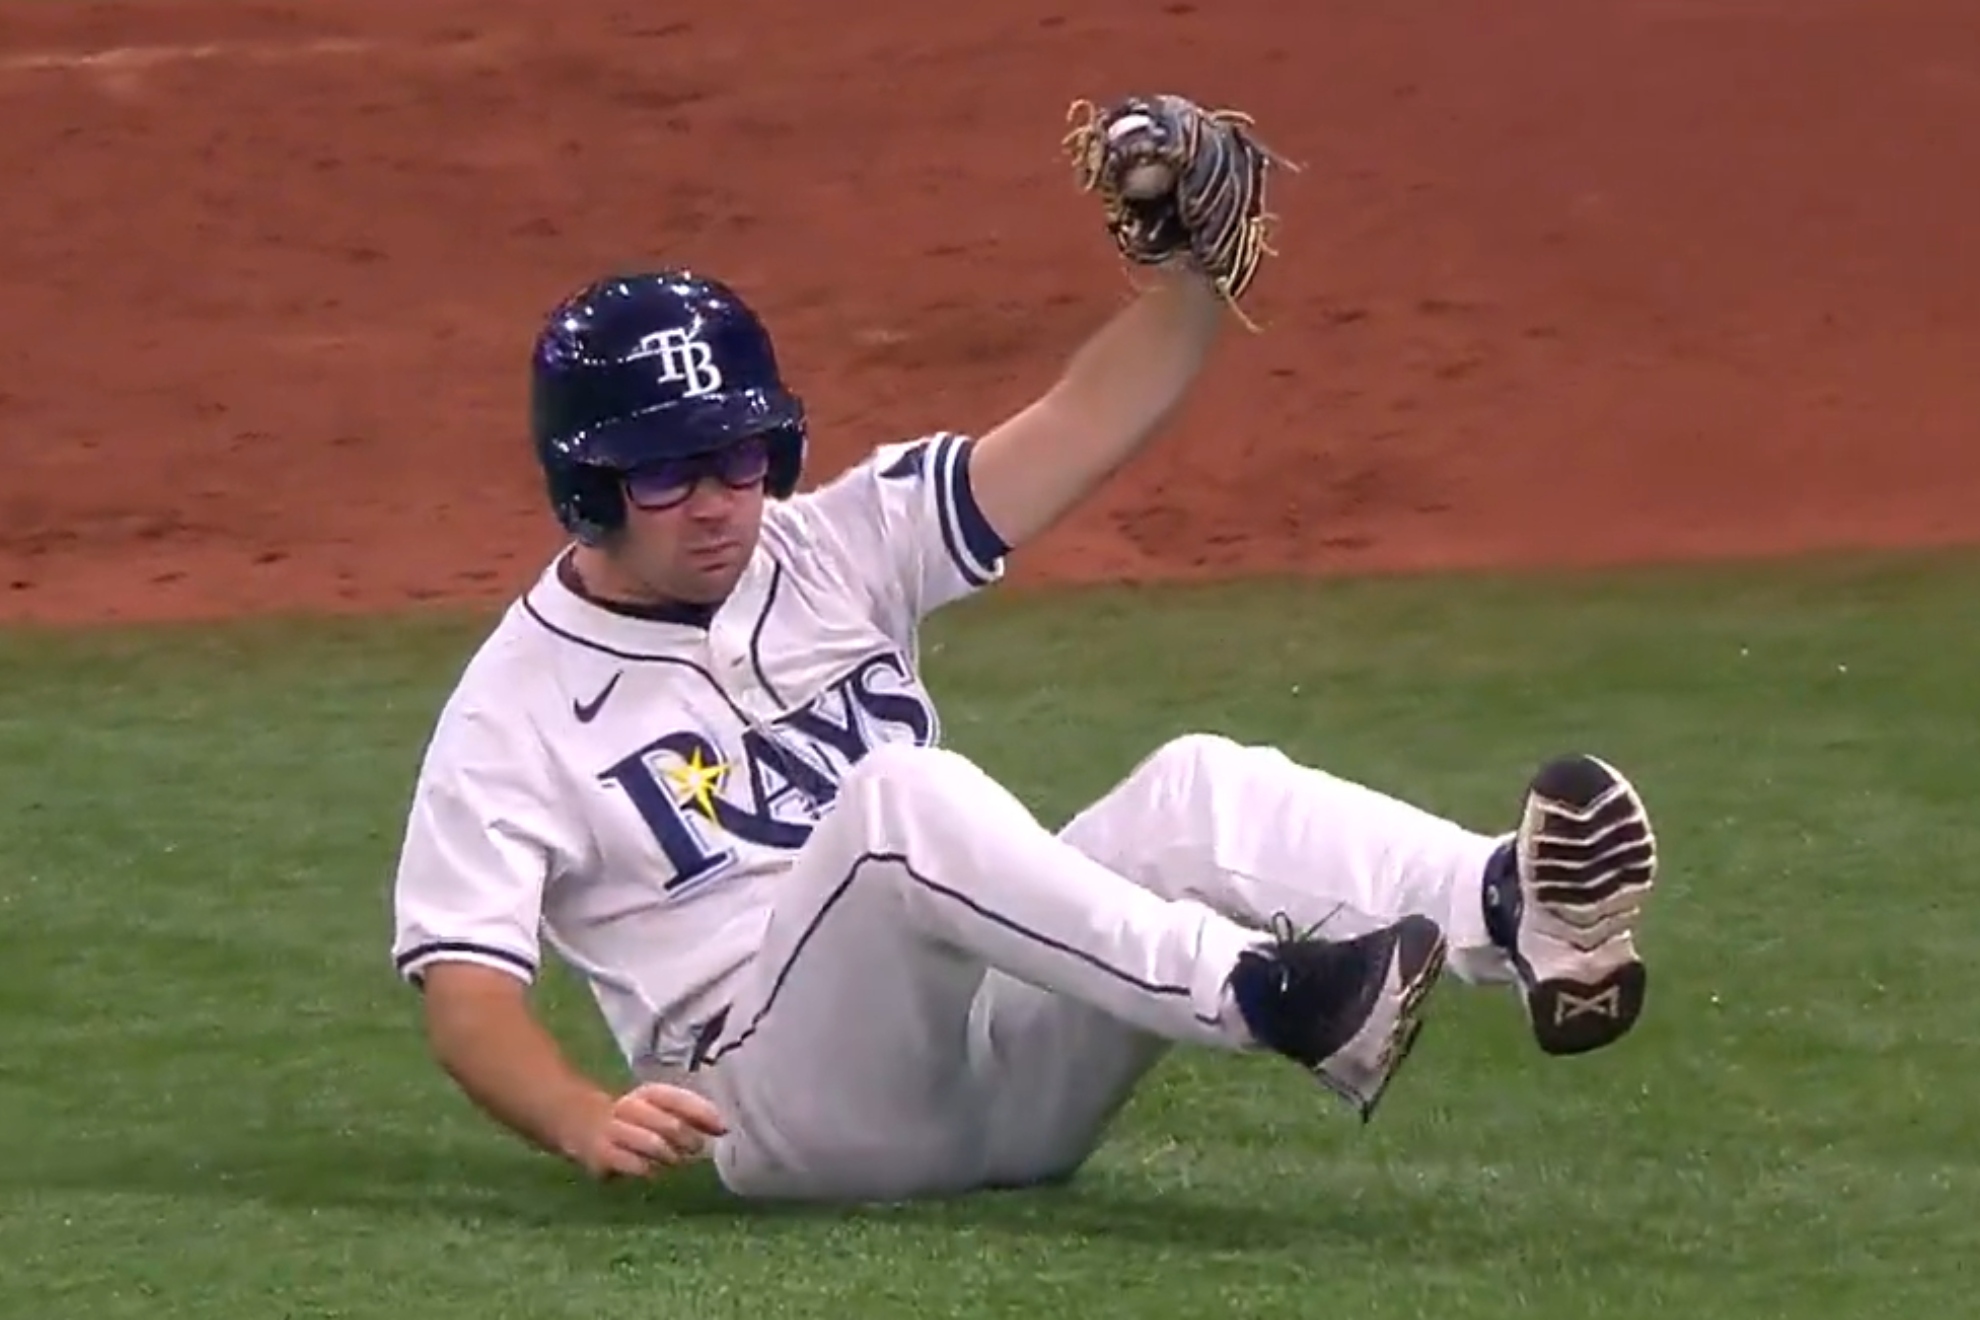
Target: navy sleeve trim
977, 549
412, 959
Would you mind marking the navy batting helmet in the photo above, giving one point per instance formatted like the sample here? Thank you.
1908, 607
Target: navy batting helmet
644, 368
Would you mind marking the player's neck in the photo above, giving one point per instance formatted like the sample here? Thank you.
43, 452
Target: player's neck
589, 576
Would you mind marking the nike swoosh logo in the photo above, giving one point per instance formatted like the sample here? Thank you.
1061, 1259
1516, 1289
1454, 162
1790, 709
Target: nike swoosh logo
587, 711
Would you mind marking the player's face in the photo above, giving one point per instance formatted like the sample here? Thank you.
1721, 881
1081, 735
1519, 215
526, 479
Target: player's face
692, 525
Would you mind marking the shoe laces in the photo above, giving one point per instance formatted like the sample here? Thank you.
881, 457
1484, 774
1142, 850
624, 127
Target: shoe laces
1302, 973
1292, 951
1285, 931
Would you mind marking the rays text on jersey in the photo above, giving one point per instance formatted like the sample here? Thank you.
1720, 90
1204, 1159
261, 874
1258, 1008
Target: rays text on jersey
710, 796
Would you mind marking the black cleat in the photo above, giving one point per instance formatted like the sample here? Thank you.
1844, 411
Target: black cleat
1348, 1011
1564, 896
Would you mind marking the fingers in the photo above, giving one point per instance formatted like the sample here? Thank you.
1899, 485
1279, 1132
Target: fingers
685, 1105
652, 1127
667, 1123
634, 1148
621, 1158
646, 1141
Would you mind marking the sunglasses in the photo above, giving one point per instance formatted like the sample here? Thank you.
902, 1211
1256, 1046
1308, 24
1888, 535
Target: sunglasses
670, 481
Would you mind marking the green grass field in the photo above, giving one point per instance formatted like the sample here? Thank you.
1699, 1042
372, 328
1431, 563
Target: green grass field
213, 1102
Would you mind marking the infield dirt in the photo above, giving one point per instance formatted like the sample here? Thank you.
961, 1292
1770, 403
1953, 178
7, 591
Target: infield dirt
1561, 283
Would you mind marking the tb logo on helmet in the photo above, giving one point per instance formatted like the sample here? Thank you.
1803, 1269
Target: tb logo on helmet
685, 360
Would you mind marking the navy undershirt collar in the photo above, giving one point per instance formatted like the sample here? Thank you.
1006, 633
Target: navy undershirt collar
685, 613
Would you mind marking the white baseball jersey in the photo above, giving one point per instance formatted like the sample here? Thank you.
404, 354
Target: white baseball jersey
625, 789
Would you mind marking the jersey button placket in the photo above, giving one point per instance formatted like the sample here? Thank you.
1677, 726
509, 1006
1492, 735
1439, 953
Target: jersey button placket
728, 655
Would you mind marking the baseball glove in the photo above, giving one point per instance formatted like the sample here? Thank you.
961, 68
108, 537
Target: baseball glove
1178, 181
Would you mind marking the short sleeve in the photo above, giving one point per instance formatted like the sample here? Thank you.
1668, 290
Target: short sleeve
478, 850
905, 527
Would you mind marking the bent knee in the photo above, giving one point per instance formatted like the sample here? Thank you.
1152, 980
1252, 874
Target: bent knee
909, 772
1190, 757
932, 787
1168, 800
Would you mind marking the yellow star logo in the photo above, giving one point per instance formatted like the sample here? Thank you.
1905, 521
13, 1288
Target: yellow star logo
695, 782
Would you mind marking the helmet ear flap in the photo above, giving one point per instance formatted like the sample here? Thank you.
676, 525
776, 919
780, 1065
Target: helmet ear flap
589, 502
786, 462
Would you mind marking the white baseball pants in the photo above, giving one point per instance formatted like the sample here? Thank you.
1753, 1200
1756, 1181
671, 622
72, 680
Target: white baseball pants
951, 997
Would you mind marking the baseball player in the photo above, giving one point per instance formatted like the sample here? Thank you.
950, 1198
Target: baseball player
696, 761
